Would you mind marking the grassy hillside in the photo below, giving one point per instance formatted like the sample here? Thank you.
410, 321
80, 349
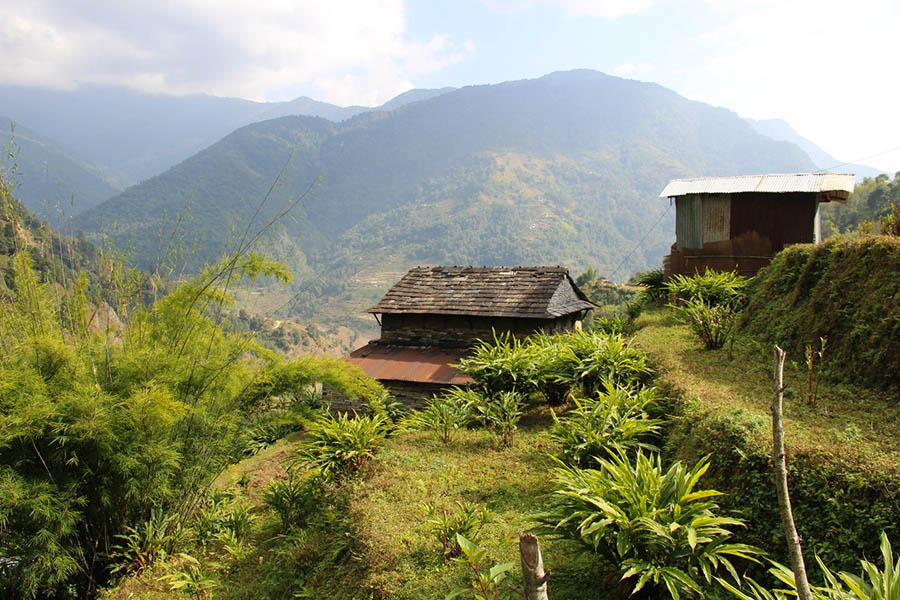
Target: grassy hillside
846, 290
843, 452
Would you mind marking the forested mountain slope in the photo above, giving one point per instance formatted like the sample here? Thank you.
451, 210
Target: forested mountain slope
50, 180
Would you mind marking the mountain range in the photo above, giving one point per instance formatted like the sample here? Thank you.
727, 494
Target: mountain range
564, 169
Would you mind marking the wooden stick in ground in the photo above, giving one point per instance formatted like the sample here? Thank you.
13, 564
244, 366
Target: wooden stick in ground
532, 568
781, 484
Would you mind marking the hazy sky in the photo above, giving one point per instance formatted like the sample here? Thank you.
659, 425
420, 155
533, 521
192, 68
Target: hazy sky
829, 68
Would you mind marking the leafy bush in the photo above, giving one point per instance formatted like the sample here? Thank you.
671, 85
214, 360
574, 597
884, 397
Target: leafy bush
501, 413
615, 325
713, 287
875, 583
615, 422
293, 499
391, 410
222, 511
661, 532
590, 358
715, 325
653, 283
447, 413
465, 519
97, 434
507, 364
141, 546
338, 446
486, 586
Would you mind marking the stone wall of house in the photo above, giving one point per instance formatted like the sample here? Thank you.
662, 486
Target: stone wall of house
462, 331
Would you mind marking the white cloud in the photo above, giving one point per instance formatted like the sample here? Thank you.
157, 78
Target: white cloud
824, 66
351, 52
633, 70
605, 9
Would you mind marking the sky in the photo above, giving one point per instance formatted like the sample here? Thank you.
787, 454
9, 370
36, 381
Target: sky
826, 67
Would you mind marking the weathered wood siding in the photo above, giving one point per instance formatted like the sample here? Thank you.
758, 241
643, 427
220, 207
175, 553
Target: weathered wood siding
783, 219
758, 227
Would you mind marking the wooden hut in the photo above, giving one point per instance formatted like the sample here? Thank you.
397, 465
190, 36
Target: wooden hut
728, 223
434, 315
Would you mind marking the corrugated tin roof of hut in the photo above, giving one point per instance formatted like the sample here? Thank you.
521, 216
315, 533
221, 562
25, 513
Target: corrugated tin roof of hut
420, 365
840, 184
524, 292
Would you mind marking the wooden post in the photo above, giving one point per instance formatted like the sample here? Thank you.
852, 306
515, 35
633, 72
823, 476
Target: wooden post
781, 484
532, 568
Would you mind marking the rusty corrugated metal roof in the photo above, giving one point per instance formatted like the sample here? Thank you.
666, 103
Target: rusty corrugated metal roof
529, 292
774, 184
402, 363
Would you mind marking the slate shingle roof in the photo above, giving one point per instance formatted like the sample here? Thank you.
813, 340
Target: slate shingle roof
529, 292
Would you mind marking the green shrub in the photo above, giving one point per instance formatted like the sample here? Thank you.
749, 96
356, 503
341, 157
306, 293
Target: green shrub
875, 583
504, 365
615, 325
659, 530
712, 287
615, 422
653, 282
447, 413
338, 446
464, 519
294, 499
140, 547
713, 324
590, 358
501, 413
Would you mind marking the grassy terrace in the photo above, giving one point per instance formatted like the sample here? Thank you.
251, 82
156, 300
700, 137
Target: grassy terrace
850, 424
371, 538
843, 452
375, 542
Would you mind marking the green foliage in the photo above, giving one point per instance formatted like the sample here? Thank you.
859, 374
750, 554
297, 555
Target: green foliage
501, 412
660, 530
388, 408
446, 524
836, 503
486, 586
339, 446
294, 499
553, 364
871, 202
709, 303
653, 284
876, 582
615, 422
141, 546
188, 576
844, 289
507, 364
713, 324
713, 288
101, 432
447, 413
591, 359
